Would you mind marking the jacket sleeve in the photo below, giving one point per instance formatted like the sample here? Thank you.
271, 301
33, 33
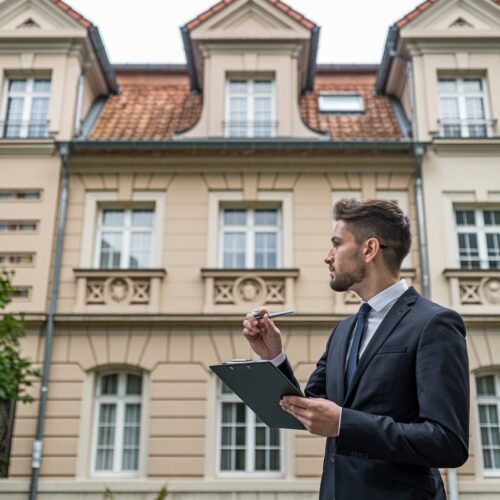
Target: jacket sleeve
316, 385
438, 437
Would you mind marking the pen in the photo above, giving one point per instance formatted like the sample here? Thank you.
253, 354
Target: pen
257, 315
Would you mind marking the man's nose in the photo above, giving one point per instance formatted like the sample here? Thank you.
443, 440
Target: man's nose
329, 257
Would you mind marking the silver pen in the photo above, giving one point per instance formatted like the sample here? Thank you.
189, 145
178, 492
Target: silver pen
257, 315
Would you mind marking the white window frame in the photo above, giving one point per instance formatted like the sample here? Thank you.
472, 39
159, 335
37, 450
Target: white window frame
250, 229
491, 400
480, 229
94, 200
126, 232
461, 95
249, 446
120, 400
328, 103
250, 95
28, 96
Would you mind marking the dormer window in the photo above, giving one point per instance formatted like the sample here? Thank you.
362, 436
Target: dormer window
341, 103
27, 108
250, 108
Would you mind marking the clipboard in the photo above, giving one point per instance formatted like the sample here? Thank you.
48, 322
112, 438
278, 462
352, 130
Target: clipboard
260, 385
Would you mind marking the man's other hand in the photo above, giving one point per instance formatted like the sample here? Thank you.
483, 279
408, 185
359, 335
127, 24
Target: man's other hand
319, 416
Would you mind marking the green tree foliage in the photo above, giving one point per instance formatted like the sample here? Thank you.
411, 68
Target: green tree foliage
16, 374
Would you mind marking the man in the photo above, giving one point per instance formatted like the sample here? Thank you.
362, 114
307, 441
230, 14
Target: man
390, 392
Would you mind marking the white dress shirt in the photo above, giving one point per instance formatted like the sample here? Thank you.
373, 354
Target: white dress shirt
381, 305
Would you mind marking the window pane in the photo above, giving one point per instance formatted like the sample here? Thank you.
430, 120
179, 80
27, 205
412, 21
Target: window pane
234, 217
275, 437
134, 384
240, 460
492, 217
263, 86
227, 412
473, 85
274, 460
475, 108
140, 250
234, 250
106, 437
487, 459
224, 389
496, 456
240, 436
266, 217
110, 255
260, 436
225, 460
38, 118
14, 115
468, 250
42, 86
493, 246
341, 103
109, 384
485, 385
226, 436
493, 414
447, 85
266, 251
238, 86
260, 460
240, 412
449, 109
142, 217
131, 437
465, 217
112, 217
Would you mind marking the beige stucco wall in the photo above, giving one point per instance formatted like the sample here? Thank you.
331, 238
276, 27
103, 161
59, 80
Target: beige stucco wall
40, 174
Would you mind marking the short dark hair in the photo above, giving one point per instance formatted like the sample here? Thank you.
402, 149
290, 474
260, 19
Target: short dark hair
381, 219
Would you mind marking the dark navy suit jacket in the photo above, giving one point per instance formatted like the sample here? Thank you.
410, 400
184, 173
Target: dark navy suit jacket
407, 411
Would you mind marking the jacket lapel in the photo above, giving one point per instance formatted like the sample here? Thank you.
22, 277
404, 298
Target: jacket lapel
398, 311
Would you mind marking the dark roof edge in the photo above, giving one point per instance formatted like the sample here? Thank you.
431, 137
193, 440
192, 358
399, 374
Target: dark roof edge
313, 52
150, 68
102, 58
188, 49
404, 145
387, 58
347, 68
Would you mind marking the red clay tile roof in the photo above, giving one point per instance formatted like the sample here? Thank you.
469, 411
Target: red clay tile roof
419, 9
378, 122
154, 105
149, 107
224, 3
73, 13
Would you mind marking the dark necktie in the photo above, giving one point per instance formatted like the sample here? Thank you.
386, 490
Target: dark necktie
352, 360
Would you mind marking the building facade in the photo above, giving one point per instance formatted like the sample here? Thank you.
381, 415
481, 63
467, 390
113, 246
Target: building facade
183, 196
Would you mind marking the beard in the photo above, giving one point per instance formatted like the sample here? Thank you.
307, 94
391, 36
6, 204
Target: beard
343, 281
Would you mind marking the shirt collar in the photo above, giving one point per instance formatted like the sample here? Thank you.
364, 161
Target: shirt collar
387, 296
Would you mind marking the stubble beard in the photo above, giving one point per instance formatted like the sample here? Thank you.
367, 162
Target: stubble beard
344, 281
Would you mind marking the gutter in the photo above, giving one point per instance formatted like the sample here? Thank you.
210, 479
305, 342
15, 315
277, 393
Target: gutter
49, 330
313, 52
387, 58
405, 146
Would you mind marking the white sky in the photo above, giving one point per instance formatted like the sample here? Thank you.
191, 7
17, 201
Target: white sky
147, 31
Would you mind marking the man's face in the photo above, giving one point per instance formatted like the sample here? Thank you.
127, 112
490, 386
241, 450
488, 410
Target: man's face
344, 259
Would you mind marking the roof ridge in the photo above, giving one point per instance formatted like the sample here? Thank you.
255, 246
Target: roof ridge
222, 4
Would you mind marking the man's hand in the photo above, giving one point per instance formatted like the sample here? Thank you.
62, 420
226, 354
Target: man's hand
263, 336
319, 416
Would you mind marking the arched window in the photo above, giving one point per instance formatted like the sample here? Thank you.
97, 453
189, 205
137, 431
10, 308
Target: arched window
246, 446
488, 400
117, 423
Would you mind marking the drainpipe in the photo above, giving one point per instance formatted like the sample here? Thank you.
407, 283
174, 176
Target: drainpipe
419, 152
49, 330
79, 101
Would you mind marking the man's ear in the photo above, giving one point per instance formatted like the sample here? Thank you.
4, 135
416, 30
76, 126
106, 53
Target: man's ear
372, 249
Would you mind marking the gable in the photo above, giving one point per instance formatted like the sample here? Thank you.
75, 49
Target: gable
443, 15
44, 15
250, 19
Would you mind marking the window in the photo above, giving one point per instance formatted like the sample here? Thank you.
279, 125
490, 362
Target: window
478, 233
341, 103
250, 238
19, 259
27, 108
250, 108
18, 226
117, 424
463, 108
125, 238
21, 292
19, 195
246, 444
488, 400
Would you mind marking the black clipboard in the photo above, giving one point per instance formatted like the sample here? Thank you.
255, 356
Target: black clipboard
260, 385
